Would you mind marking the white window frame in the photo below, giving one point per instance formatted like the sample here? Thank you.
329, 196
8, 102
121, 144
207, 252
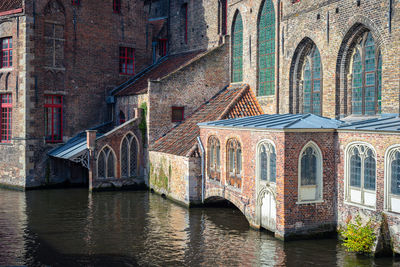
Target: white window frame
130, 137
111, 152
391, 201
349, 190
258, 162
307, 190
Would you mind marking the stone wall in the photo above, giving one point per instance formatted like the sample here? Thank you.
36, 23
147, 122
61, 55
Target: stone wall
188, 87
328, 24
176, 177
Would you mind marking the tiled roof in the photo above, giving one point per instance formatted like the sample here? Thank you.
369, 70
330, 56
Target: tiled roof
386, 123
139, 83
278, 121
6, 5
232, 101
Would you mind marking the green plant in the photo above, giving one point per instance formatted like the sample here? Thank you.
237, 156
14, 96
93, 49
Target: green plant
357, 237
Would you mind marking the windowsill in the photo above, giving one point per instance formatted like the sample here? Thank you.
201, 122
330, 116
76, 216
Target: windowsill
358, 205
310, 202
126, 75
6, 69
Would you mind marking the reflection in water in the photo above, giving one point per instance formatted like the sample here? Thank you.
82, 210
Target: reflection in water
74, 227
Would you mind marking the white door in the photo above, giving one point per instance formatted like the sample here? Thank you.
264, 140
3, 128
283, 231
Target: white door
268, 211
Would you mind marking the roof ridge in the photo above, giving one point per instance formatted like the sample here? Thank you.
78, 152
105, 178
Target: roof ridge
244, 90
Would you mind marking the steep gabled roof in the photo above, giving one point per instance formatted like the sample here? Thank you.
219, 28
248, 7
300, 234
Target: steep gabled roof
138, 84
278, 121
7, 5
231, 102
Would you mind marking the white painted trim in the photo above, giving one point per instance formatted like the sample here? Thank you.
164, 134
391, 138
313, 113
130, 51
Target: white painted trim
310, 202
387, 176
320, 172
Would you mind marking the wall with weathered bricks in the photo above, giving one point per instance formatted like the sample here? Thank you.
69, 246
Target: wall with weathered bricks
89, 68
177, 177
326, 23
346, 210
12, 80
188, 87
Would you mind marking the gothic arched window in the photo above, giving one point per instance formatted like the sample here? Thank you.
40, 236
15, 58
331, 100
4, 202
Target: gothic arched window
366, 77
106, 163
222, 15
214, 160
267, 162
266, 50
234, 163
237, 49
392, 176
129, 156
361, 174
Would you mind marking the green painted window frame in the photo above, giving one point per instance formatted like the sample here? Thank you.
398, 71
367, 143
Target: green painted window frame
312, 83
266, 50
237, 49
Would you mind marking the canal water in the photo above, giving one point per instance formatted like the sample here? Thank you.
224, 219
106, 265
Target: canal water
73, 227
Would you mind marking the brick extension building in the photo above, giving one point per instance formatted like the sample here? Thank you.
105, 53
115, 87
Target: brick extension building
77, 65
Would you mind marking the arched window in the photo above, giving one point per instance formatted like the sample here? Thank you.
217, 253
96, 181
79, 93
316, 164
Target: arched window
129, 158
310, 174
106, 164
237, 49
361, 174
222, 14
306, 79
392, 175
366, 77
214, 161
266, 50
234, 163
267, 162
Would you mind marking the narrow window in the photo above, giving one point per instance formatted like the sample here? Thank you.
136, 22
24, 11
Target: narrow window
5, 118
6, 53
53, 115
266, 50
214, 168
395, 177
121, 117
178, 114
366, 77
162, 47
185, 22
234, 175
222, 17
106, 164
75, 2
392, 179
117, 6
362, 172
310, 180
312, 83
237, 49
126, 61
267, 162
129, 150
54, 45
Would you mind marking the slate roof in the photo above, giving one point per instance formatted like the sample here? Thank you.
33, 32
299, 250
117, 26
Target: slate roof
230, 102
387, 122
278, 121
6, 5
139, 83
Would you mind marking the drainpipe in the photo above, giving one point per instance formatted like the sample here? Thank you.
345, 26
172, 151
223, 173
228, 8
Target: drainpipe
202, 167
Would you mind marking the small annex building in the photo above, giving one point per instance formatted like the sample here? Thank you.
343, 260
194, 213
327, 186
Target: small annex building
176, 158
303, 174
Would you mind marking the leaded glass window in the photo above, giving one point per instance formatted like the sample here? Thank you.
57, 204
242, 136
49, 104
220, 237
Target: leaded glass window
395, 174
267, 162
312, 83
309, 167
106, 164
214, 168
234, 175
129, 152
237, 49
361, 174
366, 77
266, 50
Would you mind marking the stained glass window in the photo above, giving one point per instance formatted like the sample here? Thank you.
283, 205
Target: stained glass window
237, 50
266, 50
366, 77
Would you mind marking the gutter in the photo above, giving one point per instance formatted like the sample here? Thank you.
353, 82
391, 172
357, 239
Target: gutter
202, 167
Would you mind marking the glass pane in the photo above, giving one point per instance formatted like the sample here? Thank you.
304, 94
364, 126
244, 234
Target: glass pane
263, 164
379, 78
356, 101
369, 171
272, 166
101, 165
237, 50
124, 158
110, 166
309, 167
307, 87
395, 177
133, 157
355, 169
239, 160
218, 156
